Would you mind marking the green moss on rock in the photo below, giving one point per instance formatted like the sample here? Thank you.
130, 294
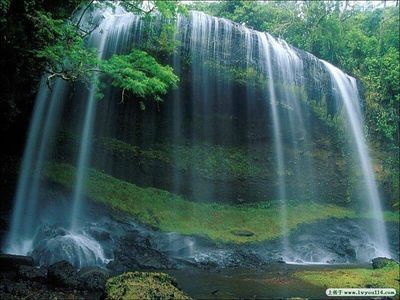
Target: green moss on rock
143, 285
383, 262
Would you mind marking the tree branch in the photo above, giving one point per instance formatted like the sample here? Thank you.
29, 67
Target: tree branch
77, 25
138, 8
122, 96
86, 33
54, 75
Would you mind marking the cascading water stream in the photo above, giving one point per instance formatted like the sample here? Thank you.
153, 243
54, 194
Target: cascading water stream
291, 71
265, 52
35, 155
16, 236
97, 39
349, 95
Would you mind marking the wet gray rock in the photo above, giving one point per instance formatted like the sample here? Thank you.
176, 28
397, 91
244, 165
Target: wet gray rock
16, 288
116, 267
12, 262
62, 274
78, 248
92, 278
32, 273
134, 250
100, 234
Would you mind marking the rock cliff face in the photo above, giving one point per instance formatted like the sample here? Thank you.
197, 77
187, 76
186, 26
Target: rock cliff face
231, 173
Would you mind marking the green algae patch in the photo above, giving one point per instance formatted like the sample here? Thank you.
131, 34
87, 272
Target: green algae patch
143, 285
168, 212
387, 277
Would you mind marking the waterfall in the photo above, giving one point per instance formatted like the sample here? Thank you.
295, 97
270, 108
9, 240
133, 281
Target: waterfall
97, 40
239, 88
350, 97
265, 50
42, 129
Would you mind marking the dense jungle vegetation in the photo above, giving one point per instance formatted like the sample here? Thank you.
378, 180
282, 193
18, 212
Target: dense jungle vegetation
362, 38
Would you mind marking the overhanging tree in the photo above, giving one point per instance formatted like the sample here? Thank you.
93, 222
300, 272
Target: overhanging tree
136, 73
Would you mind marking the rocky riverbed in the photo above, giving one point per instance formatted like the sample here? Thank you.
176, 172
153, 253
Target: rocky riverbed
20, 278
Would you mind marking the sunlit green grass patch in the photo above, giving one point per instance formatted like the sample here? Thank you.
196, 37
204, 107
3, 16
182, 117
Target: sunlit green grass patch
172, 213
387, 277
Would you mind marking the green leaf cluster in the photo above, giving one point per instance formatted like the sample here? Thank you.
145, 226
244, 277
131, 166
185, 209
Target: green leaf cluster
139, 74
4, 6
67, 57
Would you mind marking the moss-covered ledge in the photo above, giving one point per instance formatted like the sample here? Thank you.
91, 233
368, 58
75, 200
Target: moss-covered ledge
171, 213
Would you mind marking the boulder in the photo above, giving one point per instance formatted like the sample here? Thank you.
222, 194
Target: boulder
382, 262
92, 278
100, 234
117, 267
13, 262
62, 274
135, 252
143, 285
32, 273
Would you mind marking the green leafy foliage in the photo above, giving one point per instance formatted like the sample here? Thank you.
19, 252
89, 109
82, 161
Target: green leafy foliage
139, 74
67, 57
169, 9
136, 73
4, 6
158, 41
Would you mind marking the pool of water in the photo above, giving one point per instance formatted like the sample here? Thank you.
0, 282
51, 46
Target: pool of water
274, 282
